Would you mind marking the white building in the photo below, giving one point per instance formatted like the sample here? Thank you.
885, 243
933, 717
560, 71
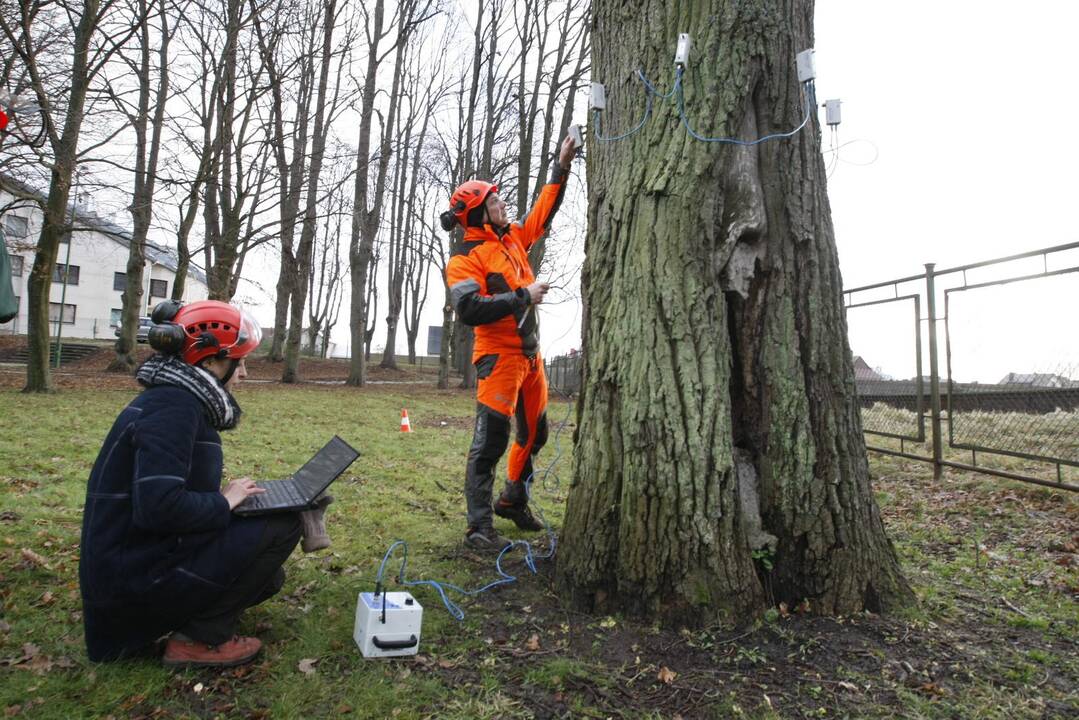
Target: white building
97, 268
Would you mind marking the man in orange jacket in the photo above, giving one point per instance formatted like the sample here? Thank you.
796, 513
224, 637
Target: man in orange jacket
493, 288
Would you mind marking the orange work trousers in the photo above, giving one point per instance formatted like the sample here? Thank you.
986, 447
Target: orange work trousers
507, 386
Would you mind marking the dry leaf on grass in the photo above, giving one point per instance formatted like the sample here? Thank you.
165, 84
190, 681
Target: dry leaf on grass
666, 675
533, 643
307, 666
32, 558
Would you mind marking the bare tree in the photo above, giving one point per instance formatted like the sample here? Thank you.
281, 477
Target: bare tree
99, 29
367, 206
326, 275
287, 67
149, 111
327, 103
238, 167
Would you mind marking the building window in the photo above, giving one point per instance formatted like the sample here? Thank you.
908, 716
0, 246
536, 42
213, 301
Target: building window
69, 313
119, 281
159, 288
72, 274
114, 317
16, 265
15, 227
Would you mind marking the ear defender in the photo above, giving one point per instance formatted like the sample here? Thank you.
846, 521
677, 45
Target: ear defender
447, 220
166, 336
165, 311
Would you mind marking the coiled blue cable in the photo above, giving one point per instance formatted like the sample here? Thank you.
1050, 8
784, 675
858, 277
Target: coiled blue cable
504, 577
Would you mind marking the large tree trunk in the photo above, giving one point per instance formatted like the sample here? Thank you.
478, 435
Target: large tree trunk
718, 418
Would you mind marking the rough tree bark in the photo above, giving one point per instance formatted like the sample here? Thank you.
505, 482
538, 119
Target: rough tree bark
718, 415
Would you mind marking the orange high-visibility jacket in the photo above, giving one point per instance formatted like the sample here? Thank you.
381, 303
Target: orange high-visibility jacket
489, 271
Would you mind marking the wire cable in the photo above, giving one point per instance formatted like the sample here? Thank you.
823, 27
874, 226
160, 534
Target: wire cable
598, 125
677, 92
504, 578
652, 90
808, 96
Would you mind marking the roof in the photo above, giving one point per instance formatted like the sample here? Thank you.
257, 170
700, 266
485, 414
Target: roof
167, 257
862, 371
1036, 379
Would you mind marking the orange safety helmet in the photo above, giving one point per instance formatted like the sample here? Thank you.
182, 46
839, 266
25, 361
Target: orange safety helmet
466, 204
203, 329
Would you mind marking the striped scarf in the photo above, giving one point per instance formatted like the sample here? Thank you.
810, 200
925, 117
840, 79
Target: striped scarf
221, 408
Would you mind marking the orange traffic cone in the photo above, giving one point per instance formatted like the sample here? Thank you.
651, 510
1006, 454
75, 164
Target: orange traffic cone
405, 427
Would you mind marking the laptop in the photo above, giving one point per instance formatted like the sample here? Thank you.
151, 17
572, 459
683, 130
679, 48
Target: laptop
299, 491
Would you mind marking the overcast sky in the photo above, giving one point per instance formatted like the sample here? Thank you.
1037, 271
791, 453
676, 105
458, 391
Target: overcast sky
973, 109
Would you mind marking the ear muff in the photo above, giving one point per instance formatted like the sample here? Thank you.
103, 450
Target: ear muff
166, 337
447, 220
165, 311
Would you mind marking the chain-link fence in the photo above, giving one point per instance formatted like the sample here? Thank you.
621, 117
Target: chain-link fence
1000, 392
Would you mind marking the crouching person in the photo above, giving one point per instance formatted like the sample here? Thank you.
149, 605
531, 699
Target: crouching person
161, 550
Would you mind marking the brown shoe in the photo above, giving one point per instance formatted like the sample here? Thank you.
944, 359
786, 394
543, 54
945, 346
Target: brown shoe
182, 651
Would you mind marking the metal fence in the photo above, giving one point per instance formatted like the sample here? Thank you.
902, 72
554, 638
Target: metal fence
1021, 422
564, 374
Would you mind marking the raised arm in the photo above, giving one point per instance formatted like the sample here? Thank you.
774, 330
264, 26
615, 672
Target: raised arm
539, 218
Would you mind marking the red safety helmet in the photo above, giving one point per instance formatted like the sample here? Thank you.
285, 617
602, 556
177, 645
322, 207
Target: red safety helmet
204, 329
470, 197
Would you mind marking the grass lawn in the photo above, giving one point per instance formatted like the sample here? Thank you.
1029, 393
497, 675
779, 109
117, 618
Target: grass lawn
996, 633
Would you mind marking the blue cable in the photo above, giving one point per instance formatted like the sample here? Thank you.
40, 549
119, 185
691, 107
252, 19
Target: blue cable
677, 91
810, 103
667, 96
504, 577
623, 136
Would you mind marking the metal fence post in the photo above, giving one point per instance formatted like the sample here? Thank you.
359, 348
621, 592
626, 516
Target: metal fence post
934, 374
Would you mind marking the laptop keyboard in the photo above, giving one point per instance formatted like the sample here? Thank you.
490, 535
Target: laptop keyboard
280, 493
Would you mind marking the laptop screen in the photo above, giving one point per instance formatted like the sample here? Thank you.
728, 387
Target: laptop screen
327, 464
